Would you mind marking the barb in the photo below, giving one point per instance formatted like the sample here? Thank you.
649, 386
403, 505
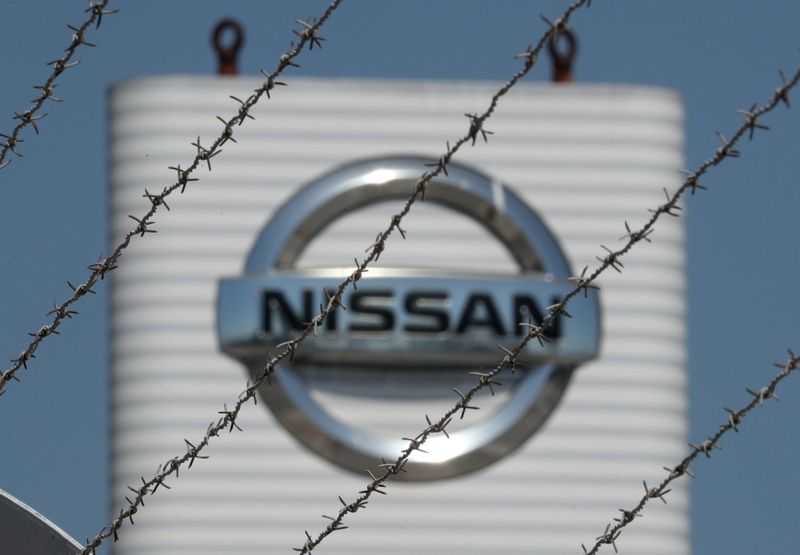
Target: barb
582, 283
307, 36
613, 531
228, 418
96, 11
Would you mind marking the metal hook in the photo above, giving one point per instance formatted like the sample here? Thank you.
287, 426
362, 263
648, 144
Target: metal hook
228, 56
562, 62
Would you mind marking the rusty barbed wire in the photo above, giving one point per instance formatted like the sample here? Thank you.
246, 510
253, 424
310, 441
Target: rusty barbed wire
307, 34
613, 531
583, 283
96, 11
287, 349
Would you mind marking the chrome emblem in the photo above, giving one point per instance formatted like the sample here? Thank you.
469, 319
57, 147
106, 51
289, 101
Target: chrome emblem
406, 322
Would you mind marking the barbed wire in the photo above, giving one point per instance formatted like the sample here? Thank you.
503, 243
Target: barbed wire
96, 11
613, 531
229, 416
583, 283
228, 419
307, 35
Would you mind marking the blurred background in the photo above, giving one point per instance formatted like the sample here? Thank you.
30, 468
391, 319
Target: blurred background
743, 253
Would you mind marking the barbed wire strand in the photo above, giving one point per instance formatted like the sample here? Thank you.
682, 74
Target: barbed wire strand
307, 34
228, 418
613, 531
29, 117
583, 283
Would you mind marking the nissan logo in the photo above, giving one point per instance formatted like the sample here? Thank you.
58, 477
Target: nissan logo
405, 322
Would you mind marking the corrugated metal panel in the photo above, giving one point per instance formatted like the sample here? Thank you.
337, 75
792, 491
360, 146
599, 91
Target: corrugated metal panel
585, 157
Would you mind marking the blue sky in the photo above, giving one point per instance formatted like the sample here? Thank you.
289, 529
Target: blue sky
743, 254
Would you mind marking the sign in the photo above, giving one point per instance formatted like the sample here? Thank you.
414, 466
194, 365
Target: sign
578, 162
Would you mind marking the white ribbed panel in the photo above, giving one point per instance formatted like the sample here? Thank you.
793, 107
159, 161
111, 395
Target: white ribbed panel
586, 157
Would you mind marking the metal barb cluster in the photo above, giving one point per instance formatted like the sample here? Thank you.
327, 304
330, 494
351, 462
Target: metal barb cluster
613, 531
144, 223
583, 283
96, 11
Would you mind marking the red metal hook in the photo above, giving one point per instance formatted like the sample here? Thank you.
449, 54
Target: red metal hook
228, 55
562, 62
